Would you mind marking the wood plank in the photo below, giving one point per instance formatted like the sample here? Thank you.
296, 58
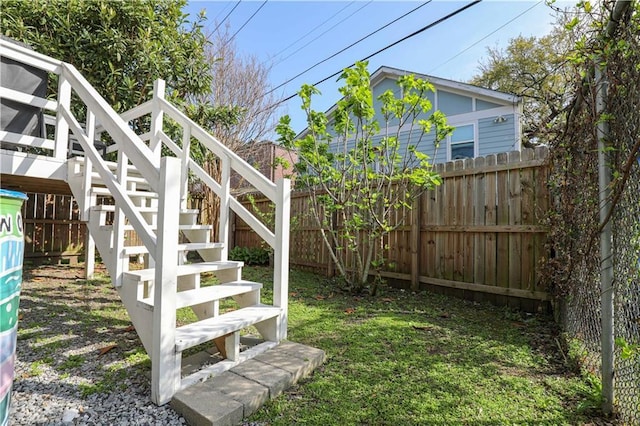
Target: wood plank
541, 209
428, 254
208, 294
198, 332
183, 270
490, 219
448, 249
500, 167
468, 238
515, 218
479, 208
439, 220
458, 215
414, 244
502, 217
500, 291
528, 263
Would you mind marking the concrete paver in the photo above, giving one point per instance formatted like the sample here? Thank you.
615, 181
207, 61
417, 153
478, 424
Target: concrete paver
226, 399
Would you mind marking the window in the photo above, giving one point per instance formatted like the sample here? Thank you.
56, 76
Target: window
462, 143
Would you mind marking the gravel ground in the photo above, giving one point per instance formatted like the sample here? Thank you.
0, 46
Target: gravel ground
78, 360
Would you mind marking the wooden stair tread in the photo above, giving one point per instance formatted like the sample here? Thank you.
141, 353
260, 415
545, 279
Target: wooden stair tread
193, 334
102, 190
112, 208
208, 294
129, 227
133, 250
183, 270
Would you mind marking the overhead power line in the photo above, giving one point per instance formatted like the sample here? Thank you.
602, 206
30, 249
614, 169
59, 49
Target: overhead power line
312, 30
324, 32
225, 18
247, 21
413, 34
483, 38
350, 46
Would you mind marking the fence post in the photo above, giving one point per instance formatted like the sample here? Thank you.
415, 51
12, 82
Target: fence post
415, 242
606, 253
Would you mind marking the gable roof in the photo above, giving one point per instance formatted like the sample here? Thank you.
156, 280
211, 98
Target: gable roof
443, 83
440, 83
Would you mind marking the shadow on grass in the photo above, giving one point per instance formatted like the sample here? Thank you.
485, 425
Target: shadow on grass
78, 333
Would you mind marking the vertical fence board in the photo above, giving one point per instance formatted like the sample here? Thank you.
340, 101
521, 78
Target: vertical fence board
490, 219
479, 207
468, 237
502, 215
515, 218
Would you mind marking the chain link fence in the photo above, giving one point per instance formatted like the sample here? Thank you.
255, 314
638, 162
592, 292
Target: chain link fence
574, 269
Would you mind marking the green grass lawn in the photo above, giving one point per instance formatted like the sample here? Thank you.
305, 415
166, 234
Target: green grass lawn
406, 359
398, 359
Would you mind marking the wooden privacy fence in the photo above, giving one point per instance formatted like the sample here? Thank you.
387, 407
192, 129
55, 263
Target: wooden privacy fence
479, 235
52, 228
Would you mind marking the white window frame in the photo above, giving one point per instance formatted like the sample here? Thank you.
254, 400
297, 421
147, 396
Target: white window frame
474, 124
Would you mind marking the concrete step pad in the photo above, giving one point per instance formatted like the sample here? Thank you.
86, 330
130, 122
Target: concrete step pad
226, 399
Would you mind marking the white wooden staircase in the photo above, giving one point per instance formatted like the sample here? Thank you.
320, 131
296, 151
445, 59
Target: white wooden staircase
148, 194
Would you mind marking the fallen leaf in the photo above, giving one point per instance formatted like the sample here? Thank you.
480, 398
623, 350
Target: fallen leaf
387, 299
445, 315
349, 310
293, 294
20, 316
106, 349
126, 329
319, 297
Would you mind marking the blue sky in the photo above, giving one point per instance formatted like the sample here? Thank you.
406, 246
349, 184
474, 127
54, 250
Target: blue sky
291, 36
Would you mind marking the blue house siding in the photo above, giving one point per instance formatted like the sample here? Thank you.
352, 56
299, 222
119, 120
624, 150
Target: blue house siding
454, 104
379, 89
496, 137
482, 105
425, 146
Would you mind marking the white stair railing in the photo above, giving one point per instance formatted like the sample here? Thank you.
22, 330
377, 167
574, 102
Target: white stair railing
277, 193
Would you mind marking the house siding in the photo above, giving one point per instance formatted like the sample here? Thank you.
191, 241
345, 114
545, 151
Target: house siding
483, 105
496, 137
453, 104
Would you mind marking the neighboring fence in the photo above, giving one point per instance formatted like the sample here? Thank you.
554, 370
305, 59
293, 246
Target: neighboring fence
478, 235
52, 228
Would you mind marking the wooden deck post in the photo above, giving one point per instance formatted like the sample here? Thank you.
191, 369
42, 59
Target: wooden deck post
165, 363
62, 127
157, 117
281, 252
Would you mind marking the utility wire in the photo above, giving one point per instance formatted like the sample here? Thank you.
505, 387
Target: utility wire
246, 22
225, 18
483, 38
311, 31
413, 34
323, 33
350, 46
